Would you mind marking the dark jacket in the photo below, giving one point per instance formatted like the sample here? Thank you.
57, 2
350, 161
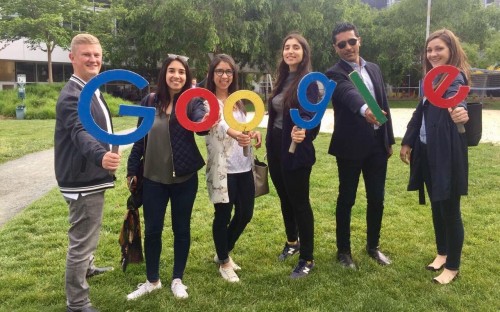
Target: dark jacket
186, 156
77, 154
304, 155
352, 136
446, 149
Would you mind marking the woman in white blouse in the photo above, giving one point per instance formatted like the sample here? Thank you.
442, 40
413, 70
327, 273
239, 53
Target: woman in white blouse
229, 173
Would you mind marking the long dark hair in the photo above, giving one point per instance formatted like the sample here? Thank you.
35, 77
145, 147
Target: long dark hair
304, 67
162, 87
233, 87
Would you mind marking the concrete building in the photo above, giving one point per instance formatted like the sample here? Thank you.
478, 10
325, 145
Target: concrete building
17, 58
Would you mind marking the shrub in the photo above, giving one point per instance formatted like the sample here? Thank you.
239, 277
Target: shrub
41, 101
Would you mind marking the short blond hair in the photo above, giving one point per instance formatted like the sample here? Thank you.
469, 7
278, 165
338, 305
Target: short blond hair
83, 39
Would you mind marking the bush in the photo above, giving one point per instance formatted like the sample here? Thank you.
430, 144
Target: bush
41, 101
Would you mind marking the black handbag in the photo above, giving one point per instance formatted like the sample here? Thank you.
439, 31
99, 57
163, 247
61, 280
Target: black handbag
474, 127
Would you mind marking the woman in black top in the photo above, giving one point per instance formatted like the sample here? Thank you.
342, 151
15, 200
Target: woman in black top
290, 172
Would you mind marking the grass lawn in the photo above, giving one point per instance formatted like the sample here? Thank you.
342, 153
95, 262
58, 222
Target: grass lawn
33, 249
21, 137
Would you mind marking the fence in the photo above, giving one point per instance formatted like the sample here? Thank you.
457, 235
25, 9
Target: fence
484, 83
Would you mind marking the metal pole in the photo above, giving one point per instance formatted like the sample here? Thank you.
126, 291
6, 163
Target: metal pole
428, 19
409, 85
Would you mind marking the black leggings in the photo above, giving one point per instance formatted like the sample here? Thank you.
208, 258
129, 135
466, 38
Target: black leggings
447, 220
293, 190
225, 230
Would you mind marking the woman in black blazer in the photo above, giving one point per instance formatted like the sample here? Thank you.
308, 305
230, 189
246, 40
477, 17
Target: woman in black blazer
437, 154
290, 172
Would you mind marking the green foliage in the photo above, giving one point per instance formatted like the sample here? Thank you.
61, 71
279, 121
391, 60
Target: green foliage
138, 34
41, 101
32, 276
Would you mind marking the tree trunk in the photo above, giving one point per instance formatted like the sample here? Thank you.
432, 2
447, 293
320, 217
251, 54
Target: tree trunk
50, 48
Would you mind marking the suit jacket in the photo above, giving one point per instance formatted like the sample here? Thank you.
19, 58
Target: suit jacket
352, 136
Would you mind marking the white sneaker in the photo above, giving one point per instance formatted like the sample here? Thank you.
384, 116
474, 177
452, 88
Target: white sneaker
142, 289
179, 289
228, 274
233, 264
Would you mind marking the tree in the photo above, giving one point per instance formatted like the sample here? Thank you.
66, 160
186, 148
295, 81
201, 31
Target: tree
43, 23
400, 32
138, 34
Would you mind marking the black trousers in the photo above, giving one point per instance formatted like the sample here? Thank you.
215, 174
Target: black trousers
446, 218
374, 170
292, 187
225, 230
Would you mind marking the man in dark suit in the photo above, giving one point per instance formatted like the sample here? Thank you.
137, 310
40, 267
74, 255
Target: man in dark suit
359, 142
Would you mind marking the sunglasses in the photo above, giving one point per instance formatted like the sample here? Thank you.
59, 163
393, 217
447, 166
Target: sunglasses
180, 57
351, 42
221, 72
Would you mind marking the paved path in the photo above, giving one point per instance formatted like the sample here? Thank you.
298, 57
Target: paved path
27, 179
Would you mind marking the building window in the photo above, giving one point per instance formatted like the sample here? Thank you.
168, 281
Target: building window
27, 69
42, 73
7, 71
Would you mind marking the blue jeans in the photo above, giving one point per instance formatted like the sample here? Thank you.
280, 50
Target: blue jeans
225, 230
156, 196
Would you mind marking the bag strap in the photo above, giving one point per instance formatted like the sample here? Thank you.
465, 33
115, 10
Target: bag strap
150, 99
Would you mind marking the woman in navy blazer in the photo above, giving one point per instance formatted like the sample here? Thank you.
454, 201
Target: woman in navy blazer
290, 172
437, 154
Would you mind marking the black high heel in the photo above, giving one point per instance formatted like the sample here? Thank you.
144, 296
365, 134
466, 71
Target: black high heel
435, 281
433, 269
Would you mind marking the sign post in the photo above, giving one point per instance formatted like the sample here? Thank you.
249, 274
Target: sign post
21, 93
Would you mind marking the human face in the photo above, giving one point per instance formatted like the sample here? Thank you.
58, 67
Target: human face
292, 53
222, 82
86, 60
175, 77
438, 52
349, 53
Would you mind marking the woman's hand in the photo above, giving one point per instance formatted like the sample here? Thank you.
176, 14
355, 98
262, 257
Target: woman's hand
459, 115
132, 183
243, 139
298, 134
257, 137
404, 154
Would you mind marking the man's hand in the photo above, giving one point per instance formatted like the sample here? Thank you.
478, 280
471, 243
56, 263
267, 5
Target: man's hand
370, 117
390, 152
111, 161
